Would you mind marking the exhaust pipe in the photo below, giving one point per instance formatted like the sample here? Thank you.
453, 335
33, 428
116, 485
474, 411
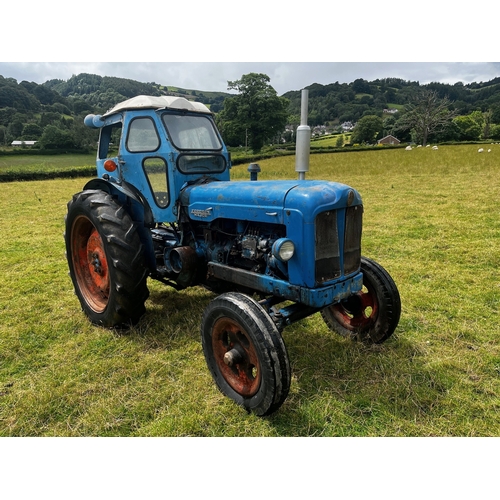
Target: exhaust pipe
303, 139
181, 263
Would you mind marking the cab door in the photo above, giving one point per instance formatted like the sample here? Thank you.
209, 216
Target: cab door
144, 163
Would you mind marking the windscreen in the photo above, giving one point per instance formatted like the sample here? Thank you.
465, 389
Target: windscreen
191, 132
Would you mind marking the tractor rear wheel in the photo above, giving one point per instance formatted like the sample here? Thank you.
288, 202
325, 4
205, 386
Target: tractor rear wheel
245, 353
106, 259
370, 315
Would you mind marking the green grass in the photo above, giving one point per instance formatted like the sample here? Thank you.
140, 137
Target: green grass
40, 167
431, 218
328, 141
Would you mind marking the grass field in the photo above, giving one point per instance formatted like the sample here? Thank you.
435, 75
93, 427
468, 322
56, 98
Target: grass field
431, 218
22, 167
329, 141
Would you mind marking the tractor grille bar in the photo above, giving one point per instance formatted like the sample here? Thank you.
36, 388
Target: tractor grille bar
328, 262
327, 247
352, 239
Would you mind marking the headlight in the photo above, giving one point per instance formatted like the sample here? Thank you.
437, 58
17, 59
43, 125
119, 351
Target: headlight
283, 249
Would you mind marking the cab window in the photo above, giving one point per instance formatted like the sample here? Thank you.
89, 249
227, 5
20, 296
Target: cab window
109, 140
156, 172
192, 132
142, 136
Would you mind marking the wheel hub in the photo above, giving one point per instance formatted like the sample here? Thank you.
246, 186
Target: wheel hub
236, 357
358, 311
96, 263
91, 268
232, 357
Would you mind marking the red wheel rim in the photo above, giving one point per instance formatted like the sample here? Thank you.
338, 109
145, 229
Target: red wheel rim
243, 375
90, 264
358, 312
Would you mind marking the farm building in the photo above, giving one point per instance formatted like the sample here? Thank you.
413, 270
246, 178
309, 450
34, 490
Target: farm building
347, 126
388, 139
23, 143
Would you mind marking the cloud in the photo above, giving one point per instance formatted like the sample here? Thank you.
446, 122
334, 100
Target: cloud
284, 76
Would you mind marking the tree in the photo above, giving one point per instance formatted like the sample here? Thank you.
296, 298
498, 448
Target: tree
31, 132
495, 132
495, 114
3, 134
469, 129
450, 132
55, 138
426, 113
255, 114
361, 86
368, 129
487, 124
15, 127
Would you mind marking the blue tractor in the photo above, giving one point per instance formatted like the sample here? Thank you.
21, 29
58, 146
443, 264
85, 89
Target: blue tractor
163, 207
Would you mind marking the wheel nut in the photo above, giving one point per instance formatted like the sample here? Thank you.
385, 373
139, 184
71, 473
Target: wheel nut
231, 357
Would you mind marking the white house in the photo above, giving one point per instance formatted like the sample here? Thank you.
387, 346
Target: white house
23, 143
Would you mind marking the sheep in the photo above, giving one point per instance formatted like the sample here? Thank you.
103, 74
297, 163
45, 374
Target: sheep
480, 150
434, 148
408, 148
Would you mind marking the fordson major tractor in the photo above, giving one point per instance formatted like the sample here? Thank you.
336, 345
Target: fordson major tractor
274, 252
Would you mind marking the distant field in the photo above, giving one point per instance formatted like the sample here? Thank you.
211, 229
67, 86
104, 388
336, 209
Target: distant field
13, 167
31, 167
44, 162
431, 219
328, 141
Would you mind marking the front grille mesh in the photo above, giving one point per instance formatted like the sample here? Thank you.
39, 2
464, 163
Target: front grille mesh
328, 262
352, 238
327, 247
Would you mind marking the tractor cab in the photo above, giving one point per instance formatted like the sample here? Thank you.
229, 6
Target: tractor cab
164, 143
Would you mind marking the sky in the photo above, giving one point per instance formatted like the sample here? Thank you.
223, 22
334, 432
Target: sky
201, 46
284, 76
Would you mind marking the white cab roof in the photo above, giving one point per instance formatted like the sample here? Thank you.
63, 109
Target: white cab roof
157, 102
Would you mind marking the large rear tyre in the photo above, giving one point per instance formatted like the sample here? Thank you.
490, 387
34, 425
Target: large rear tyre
106, 259
370, 315
245, 353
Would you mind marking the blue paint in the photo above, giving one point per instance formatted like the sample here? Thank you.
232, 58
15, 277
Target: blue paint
173, 168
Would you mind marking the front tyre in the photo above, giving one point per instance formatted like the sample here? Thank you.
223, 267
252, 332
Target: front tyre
370, 315
245, 353
106, 259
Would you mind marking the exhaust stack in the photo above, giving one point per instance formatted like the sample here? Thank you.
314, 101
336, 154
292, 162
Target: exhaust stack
303, 139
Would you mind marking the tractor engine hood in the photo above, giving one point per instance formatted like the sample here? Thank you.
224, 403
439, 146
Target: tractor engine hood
265, 201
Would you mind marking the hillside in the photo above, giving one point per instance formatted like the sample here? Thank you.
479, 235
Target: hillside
54, 110
349, 102
103, 92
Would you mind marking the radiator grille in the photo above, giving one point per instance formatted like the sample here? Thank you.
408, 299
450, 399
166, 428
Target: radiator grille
327, 247
352, 238
327, 252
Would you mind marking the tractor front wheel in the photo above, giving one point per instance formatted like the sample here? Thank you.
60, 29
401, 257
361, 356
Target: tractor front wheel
106, 259
245, 353
370, 315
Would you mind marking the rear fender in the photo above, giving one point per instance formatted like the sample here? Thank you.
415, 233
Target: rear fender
137, 207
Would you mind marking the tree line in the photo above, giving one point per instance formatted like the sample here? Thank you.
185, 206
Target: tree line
52, 113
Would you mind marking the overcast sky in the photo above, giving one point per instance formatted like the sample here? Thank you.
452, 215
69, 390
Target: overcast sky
284, 76
237, 36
